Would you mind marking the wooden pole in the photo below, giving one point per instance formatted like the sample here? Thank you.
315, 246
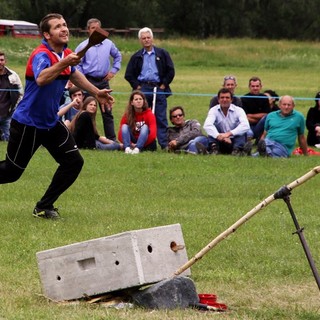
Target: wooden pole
244, 219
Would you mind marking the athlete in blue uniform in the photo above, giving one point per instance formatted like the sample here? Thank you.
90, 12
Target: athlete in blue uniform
35, 121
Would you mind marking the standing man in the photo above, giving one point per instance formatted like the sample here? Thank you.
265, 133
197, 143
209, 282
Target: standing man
149, 68
282, 128
35, 121
11, 92
256, 105
96, 66
229, 82
226, 126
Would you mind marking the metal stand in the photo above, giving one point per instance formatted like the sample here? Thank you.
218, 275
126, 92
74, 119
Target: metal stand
284, 193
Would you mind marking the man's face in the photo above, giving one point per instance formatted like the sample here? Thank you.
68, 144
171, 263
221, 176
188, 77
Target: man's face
230, 84
2, 63
92, 27
286, 105
177, 118
59, 32
225, 100
146, 40
255, 87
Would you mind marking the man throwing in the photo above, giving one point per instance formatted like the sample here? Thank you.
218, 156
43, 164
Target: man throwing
35, 122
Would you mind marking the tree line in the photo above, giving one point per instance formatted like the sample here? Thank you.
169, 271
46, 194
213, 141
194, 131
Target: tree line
270, 19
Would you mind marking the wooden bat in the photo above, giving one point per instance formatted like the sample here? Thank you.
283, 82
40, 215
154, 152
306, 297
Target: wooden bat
97, 36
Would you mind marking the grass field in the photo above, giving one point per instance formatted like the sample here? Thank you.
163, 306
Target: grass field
260, 272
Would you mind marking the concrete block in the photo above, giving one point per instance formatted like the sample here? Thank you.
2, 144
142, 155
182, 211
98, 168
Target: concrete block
121, 261
174, 293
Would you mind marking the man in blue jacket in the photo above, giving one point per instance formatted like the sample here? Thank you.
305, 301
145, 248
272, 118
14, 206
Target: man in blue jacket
151, 70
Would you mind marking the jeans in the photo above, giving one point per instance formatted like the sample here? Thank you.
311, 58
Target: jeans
192, 143
111, 147
276, 149
128, 137
160, 112
237, 142
5, 127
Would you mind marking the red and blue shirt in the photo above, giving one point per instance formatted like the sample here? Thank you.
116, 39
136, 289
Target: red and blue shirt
40, 104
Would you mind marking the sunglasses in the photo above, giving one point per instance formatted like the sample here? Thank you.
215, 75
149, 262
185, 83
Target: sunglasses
177, 115
229, 78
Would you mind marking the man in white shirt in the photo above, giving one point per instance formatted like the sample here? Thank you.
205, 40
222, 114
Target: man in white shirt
226, 126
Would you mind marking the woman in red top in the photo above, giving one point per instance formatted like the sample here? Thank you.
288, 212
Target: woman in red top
138, 129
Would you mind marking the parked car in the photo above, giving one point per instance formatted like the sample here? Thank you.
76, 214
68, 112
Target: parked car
19, 29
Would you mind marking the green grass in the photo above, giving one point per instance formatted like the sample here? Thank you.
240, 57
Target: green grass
260, 271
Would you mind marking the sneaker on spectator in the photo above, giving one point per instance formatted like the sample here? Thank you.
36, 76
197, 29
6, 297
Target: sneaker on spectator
46, 213
135, 151
262, 149
201, 148
214, 149
128, 150
236, 152
247, 148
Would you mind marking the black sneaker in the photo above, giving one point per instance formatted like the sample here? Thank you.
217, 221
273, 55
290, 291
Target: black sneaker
46, 213
247, 148
262, 149
214, 149
236, 152
201, 148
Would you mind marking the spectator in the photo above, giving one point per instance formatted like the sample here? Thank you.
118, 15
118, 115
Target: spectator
282, 128
256, 106
11, 92
185, 135
138, 130
84, 128
70, 109
148, 69
273, 98
313, 123
95, 65
226, 126
229, 82
35, 121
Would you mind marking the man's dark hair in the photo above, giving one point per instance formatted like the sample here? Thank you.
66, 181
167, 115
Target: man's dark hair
173, 109
44, 23
254, 79
224, 90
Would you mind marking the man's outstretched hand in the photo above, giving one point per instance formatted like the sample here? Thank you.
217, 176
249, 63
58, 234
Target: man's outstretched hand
105, 99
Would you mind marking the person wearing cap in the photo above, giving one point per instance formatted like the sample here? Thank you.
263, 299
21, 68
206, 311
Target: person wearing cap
313, 123
281, 130
229, 82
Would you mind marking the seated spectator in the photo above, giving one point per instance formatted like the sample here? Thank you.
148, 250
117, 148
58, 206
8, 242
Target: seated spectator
227, 126
84, 129
68, 110
282, 128
138, 129
229, 82
273, 98
313, 123
256, 106
185, 135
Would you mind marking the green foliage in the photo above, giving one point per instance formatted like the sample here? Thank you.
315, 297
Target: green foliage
260, 271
